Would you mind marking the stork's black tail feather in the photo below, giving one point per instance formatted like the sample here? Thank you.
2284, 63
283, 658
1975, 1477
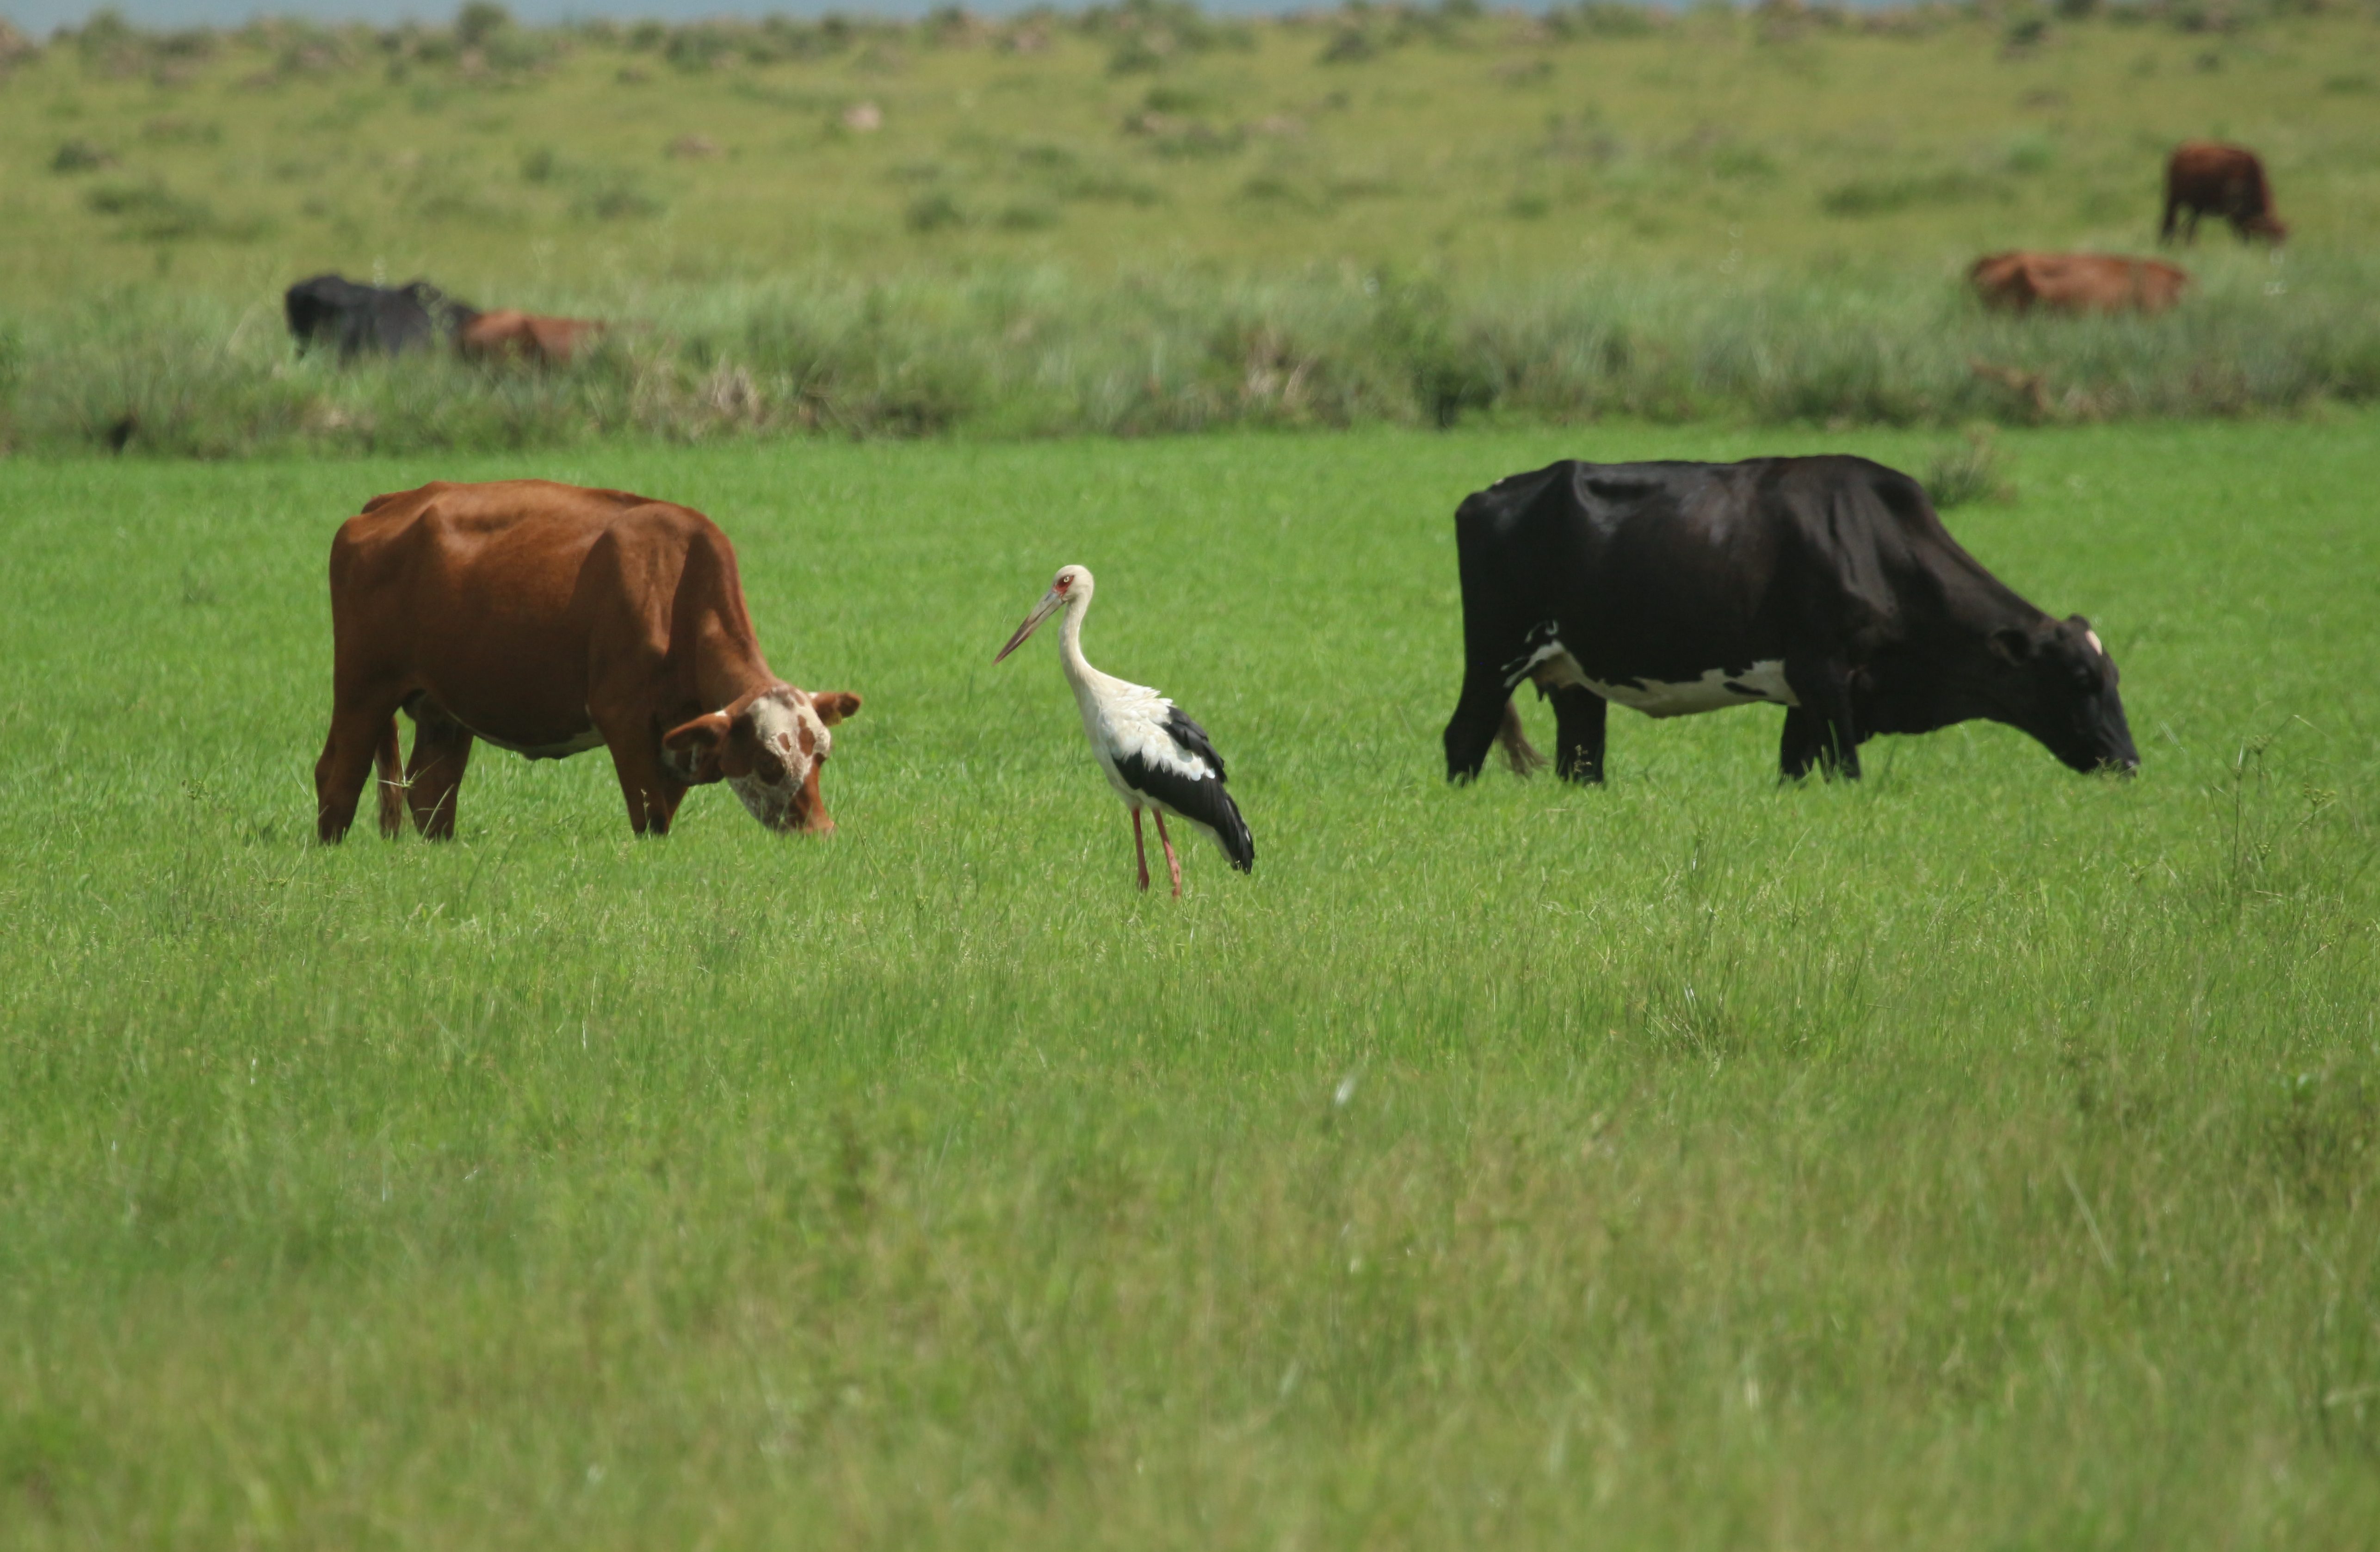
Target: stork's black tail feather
1232, 832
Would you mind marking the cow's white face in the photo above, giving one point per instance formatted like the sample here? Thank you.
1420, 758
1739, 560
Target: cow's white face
769, 747
788, 743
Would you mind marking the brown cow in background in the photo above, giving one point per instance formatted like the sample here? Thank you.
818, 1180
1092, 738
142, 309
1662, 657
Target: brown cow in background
509, 333
2208, 178
2021, 281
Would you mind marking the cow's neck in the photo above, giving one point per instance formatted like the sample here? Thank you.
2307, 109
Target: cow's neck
728, 668
1974, 602
1945, 670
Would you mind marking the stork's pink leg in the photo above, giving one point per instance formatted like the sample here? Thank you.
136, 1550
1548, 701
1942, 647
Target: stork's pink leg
1140, 849
1173, 863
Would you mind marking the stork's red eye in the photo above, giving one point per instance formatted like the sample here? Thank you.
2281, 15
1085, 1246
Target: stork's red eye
1060, 585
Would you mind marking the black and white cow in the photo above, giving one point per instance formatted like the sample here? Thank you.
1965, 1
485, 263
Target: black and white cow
1826, 586
355, 319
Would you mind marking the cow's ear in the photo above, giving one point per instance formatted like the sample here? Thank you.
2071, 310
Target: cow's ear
2099, 647
2013, 643
834, 706
743, 746
691, 749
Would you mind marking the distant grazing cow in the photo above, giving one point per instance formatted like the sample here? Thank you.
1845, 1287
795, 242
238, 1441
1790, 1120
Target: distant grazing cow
356, 319
1826, 586
2077, 282
548, 618
2207, 178
508, 334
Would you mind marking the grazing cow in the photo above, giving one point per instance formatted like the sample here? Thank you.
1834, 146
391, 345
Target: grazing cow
548, 618
2208, 178
355, 319
2076, 282
508, 334
1826, 586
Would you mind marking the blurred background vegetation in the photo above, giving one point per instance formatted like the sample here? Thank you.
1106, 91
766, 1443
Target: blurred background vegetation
1142, 218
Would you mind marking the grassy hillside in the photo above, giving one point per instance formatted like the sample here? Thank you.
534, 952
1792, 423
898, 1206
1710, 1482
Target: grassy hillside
574, 166
1979, 1155
1143, 220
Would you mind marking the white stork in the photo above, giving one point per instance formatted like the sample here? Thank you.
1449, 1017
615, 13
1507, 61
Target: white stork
1155, 757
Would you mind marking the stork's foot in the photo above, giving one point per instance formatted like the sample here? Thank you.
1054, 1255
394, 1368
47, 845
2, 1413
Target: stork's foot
1173, 863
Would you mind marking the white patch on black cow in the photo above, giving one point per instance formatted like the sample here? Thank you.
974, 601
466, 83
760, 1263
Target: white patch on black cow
1551, 666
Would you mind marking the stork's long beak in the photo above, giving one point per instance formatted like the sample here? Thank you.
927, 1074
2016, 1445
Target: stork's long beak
1042, 611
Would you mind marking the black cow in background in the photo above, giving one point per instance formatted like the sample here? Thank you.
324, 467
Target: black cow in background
355, 319
1826, 586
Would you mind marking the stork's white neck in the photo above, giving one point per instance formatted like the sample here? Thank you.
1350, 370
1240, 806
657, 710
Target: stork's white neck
1070, 637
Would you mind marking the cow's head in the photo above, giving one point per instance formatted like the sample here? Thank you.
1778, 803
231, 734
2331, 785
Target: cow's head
769, 747
2058, 685
2267, 225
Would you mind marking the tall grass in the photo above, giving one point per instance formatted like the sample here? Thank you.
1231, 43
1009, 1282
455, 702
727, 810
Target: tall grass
1037, 352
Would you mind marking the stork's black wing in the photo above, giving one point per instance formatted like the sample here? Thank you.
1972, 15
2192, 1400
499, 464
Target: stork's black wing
1192, 785
1191, 739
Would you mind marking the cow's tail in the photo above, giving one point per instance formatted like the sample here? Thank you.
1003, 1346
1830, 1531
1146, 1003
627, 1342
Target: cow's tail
388, 780
1521, 757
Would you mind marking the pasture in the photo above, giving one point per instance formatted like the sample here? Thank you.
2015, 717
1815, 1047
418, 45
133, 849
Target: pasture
549, 168
1141, 220
1977, 1156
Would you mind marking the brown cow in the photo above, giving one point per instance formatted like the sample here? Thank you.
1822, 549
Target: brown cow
2208, 178
548, 618
2076, 282
508, 333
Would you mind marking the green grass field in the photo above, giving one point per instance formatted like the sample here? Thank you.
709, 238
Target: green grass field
1148, 221
551, 168
1979, 1155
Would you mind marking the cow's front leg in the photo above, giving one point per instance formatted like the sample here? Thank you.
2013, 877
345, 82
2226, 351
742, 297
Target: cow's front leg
1797, 751
651, 791
1477, 717
1579, 718
359, 736
433, 777
1821, 730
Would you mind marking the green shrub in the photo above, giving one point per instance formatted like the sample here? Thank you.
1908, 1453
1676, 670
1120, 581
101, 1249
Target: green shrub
480, 21
1026, 217
1602, 18
1968, 472
613, 195
1133, 55
1349, 45
81, 156
933, 211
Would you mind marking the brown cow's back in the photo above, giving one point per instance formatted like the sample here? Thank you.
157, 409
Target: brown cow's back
2020, 280
498, 602
550, 342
